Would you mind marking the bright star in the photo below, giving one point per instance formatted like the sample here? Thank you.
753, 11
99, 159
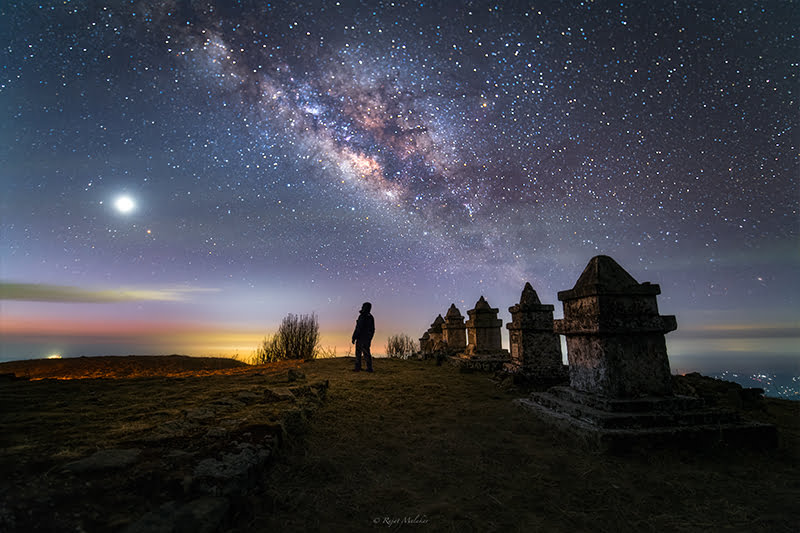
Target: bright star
124, 204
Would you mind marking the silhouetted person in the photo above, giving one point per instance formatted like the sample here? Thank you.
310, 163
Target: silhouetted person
362, 336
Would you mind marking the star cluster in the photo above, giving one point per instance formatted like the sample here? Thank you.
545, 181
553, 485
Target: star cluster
310, 155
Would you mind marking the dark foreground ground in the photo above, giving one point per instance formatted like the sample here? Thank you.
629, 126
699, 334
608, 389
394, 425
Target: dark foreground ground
420, 447
411, 447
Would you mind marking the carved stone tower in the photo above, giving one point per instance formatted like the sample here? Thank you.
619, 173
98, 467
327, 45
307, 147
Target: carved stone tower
454, 331
483, 329
535, 348
615, 336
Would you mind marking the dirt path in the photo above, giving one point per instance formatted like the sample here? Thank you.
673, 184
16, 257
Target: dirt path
420, 447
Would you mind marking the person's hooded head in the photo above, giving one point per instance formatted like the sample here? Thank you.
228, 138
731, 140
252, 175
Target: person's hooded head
366, 307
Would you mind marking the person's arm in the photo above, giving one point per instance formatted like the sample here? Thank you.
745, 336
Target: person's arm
371, 327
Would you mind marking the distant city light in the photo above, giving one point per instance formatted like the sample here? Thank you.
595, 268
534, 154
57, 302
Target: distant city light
54, 356
774, 386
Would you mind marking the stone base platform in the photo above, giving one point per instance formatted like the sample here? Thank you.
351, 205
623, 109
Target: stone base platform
538, 376
606, 424
480, 362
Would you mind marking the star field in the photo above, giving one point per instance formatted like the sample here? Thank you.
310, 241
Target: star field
312, 155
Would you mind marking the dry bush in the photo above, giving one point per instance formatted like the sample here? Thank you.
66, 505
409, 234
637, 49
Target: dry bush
326, 352
400, 346
297, 338
268, 351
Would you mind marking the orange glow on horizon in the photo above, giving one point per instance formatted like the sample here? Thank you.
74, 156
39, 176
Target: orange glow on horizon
159, 338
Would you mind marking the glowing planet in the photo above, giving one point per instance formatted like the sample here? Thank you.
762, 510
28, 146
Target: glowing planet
124, 204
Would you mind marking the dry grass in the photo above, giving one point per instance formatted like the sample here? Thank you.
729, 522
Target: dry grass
176, 416
132, 366
76, 406
417, 441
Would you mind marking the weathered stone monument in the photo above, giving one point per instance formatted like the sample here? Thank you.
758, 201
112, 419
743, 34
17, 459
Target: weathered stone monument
615, 336
535, 347
425, 347
620, 392
484, 349
436, 335
483, 329
454, 330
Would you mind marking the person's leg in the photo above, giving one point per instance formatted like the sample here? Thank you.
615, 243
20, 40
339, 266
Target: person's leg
358, 356
367, 357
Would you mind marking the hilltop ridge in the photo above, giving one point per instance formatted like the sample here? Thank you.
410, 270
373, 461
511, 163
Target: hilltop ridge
412, 444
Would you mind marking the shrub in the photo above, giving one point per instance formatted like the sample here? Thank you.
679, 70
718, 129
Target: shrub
401, 346
297, 338
326, 353
268, 351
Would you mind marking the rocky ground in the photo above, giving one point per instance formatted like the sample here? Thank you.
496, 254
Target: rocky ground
314, 447
132, 366
142, 454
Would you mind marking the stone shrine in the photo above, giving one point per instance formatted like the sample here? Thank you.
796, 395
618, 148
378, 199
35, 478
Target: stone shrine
620, 393
535, 347
484, 349
615, 336
483, 329
454, 331
435, 334
425, 347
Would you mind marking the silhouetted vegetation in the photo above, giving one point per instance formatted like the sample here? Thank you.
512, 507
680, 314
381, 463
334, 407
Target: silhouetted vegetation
297, 338
401, 346
326, 352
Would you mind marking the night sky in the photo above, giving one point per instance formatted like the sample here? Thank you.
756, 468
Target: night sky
179, 176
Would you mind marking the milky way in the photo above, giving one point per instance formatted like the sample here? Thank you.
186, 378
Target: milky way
418, 152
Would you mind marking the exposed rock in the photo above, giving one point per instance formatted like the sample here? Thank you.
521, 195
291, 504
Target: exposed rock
248, 397
203, 515
294, 375
278, 395
103, 460
717, 391
203, 450
199, 414
479, 363
216, 432
177, 454
231, 471
7, 522
294, 420
174, 428
315, 391
161, 520
228, 402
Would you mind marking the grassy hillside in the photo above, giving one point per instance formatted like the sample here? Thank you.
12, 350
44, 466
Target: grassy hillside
411, 447
450, 452
131, 366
